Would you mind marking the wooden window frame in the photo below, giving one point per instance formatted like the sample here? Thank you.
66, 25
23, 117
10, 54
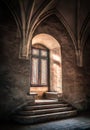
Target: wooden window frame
40, 58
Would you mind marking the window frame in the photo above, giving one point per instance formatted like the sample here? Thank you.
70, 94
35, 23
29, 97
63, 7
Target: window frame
40, 58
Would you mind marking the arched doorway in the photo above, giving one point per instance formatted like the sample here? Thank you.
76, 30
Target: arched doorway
55, 65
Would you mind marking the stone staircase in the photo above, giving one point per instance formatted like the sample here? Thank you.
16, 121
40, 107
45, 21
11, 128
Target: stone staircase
43, 111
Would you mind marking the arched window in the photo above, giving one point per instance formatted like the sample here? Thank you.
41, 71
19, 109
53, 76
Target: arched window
39, 66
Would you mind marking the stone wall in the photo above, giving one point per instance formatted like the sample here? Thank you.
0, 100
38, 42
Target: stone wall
86, 69
14, 72
72, 76
56, 70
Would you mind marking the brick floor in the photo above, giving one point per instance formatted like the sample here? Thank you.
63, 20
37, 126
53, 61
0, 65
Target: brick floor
81, 122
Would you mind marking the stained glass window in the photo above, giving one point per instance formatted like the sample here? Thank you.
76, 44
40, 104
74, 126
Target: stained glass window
39, 67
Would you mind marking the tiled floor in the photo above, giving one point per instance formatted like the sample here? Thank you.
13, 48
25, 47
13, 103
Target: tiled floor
81, 122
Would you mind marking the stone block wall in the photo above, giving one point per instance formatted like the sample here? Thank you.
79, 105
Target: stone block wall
14, 72
86, 69
72, 75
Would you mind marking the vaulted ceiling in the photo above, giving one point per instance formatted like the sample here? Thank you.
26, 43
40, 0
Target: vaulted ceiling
28, 14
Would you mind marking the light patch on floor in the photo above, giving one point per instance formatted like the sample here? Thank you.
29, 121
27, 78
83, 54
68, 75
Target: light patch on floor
56, 100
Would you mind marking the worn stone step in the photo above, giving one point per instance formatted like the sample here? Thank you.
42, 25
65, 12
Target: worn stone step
53, 95
44, 102
38, 107
43, 111
44, 117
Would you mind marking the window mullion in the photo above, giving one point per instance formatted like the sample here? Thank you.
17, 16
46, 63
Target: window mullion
39, 68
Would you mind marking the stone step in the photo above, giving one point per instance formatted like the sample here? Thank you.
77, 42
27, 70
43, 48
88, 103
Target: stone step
50, 103
46, 102
44, 117
43, 111
45, 106
53, 95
